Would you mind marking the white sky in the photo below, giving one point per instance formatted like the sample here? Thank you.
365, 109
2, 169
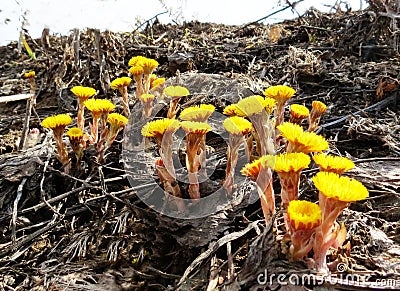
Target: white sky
120, 15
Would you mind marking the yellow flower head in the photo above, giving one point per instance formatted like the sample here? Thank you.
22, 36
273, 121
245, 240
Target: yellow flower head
319, 107
339, 188
176, 91
300, 141
83, 93
98, 106
29, 74
290, 130
299, 111
120, 82
148, 65
136, 70
197, 113
304, 215
237, 125
280, 93
333, 164
75, 133
254, 105
135, 60
195, 127
57, 121
158, 127
289, 162
232, 110
146, 97
156, 82
117, 120
253, 169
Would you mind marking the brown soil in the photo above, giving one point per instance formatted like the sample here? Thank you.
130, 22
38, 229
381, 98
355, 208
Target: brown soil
89, 230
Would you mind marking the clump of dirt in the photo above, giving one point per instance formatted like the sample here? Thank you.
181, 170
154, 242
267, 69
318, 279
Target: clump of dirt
92, 231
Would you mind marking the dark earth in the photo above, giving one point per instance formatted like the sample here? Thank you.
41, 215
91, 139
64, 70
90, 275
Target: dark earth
89, 230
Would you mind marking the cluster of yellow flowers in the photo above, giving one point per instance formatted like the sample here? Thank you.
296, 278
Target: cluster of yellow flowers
272, 145
101, 114
311, 226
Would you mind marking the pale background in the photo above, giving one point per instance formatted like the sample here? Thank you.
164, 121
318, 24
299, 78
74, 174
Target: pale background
60, 16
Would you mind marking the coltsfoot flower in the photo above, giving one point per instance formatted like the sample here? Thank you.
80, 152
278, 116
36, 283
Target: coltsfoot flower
100, 109
318, 109
303, 218
147, 102
258, 109
281, 94
335, 194
289, 167
300, 141
175, 93
57, 124
77, 142
162, 131
238, 128
83, 94
335, 164
195, 132
259, 172
121, 84
298, 113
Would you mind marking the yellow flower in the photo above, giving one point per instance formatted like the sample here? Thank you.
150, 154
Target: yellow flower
157, 128
75, 133
197, 113
146, 97
253, 169
135, 60
120, 82
156, 82
57, 121
304, 214
148, 65
300, 141
280, 93
289, 162
83, 93
97, 106
195, 127
237, 125
319, 106
232, 110
333, 164
290, 130
339, 188
136, 70
117, 120
298, 111
29, 74
176, 91
254, 104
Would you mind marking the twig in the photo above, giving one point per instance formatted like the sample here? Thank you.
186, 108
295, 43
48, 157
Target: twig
268, 16
213, 282
148, 20
42, 192
25, 128
15, 211
377, 106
